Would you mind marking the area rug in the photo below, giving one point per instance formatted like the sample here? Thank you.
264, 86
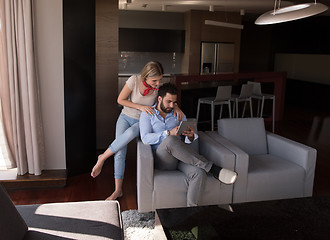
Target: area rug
138, 225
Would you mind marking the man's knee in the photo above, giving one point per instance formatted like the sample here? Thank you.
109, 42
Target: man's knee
171, 141
195, 173
199, 173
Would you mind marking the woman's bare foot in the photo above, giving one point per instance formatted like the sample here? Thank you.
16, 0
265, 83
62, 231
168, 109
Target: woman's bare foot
98, 166
115, 195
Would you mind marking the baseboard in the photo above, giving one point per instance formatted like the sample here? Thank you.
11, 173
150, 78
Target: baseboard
48, 179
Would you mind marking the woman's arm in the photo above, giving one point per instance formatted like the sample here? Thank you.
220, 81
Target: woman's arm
123, 100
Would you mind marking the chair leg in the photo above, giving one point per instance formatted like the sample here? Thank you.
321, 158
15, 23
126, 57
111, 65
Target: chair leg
236, 103
258, 110
262, 107
229, 109
197, 115
274, 114
220, 111
251, 110
244, 109
212, 116
233, 109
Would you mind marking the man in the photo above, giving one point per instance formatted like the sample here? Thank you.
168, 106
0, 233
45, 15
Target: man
159, 130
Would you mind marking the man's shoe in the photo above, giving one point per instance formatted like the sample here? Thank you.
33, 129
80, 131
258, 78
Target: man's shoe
227, 176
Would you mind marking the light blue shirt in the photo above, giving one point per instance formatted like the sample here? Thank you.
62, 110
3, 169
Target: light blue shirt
153, 128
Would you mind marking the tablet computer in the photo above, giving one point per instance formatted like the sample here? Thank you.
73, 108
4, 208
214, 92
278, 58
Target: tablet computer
184, 126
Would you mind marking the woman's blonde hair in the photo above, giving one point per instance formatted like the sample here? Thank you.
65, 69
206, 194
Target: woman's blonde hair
152, 69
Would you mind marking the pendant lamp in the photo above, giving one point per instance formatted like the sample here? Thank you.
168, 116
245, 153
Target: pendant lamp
290, 13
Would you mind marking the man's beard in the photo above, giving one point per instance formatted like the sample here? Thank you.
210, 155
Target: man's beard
165, 110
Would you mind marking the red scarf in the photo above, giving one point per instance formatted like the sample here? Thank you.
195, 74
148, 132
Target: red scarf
148, 88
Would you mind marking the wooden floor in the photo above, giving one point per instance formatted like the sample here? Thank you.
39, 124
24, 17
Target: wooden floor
305, 126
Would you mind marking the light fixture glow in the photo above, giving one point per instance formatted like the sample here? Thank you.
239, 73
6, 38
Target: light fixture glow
224, 24
290, 13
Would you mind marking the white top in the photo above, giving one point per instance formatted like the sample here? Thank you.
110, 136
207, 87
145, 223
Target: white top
133, 83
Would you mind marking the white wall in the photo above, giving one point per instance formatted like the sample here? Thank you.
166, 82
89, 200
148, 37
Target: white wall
49, 47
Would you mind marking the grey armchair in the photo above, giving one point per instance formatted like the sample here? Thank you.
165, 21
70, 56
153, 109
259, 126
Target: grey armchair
168, 189
269, 166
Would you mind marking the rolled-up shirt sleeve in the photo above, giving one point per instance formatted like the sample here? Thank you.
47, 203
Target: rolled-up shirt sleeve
188, 141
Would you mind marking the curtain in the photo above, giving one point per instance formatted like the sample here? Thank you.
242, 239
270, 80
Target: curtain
20, 101
6, 159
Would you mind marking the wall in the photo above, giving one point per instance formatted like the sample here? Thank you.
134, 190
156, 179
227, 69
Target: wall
255, 52
197, 31
151, 20
301, 45
79, 84
150, 36
106, 34
305, 67
49, 53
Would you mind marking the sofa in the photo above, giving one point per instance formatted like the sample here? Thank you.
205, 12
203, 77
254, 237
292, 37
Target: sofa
168, 189
69, 220
269, 166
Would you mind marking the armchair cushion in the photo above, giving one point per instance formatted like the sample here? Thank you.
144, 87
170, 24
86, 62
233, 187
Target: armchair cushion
73, 220
268, 172
248, 133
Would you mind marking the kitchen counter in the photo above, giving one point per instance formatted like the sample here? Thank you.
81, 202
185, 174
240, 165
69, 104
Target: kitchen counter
198, 82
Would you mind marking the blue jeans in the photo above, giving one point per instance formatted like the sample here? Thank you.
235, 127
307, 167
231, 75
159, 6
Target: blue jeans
127, 129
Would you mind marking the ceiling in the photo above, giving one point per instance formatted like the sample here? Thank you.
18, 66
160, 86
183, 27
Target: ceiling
248, 6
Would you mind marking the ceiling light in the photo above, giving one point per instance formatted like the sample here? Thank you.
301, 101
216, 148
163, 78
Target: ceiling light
224, 24
290, 13
211, 8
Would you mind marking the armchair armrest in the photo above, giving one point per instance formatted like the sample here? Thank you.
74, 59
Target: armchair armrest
145, 176
297, 153
241, 166
216, 153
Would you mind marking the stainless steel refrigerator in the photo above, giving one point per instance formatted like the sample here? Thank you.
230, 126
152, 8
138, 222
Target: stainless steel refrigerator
217, 58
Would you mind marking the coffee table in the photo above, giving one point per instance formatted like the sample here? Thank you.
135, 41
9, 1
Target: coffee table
299, 218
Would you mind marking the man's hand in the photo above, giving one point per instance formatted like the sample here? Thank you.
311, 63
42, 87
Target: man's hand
174, 130
189, 133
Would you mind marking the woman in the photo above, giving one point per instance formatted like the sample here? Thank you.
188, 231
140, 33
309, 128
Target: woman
138, 94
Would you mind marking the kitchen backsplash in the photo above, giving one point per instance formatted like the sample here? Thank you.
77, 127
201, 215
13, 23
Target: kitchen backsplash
133, 62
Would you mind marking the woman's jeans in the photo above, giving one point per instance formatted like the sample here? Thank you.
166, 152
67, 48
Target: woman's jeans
127, 129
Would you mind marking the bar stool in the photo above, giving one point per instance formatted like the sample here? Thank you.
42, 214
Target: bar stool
245, 96
222, 97
261, 97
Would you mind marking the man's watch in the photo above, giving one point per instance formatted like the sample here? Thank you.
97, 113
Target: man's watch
168, 133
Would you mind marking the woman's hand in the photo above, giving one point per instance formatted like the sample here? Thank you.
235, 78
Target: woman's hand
178, 113
147, 109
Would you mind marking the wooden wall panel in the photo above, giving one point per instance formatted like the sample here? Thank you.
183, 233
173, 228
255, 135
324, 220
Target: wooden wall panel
106, 34
79, 84
197, 31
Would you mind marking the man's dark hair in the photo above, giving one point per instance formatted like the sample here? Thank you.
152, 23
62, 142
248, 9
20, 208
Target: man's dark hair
167, 88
